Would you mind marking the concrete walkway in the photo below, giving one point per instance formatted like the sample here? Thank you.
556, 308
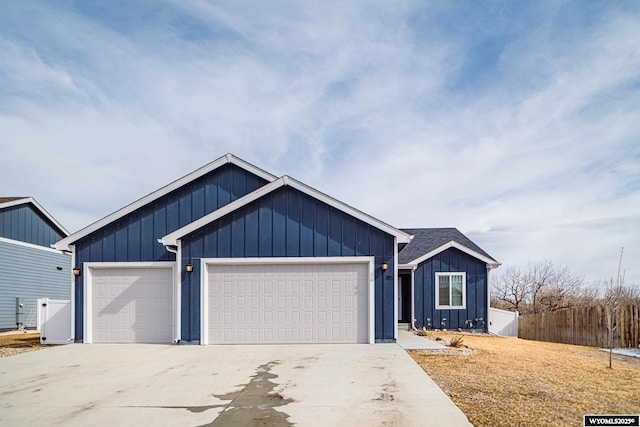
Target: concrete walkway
410, 341
169, 385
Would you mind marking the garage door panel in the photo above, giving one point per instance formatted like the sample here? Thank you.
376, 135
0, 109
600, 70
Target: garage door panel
132, 304
307, 303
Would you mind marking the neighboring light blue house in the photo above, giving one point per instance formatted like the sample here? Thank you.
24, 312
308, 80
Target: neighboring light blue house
233, 254
29, 267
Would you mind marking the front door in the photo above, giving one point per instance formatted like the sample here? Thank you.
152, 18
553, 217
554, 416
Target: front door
404, 298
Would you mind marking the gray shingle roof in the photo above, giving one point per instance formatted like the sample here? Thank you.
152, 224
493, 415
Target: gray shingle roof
426, 240
10, 199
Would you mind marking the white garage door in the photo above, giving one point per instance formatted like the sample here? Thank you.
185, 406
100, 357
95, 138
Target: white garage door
132, 305
288, 303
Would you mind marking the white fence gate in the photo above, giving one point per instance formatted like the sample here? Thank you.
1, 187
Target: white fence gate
54, 321
502, 322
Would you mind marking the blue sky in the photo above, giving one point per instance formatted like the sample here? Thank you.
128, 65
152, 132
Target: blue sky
516, 122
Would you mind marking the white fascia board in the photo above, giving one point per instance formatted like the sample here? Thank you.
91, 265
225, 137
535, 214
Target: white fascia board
453, 244
32, 246
401, 236
407, 266
226, 159
15, 202
38, 206
172, 238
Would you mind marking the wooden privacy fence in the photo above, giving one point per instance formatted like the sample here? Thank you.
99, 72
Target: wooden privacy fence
583, 326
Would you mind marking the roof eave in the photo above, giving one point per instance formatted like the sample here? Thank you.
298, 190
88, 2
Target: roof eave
64, 244
174, 237
408, 266
39, 207
453, 244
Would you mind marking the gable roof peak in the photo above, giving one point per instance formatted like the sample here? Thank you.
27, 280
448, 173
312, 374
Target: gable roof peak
427, 242
219, 162
171, 239
7, 202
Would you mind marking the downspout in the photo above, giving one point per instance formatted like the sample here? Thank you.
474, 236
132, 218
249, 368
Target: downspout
73, 293
176, 291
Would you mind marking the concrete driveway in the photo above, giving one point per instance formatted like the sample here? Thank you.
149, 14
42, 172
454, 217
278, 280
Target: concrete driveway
158, 385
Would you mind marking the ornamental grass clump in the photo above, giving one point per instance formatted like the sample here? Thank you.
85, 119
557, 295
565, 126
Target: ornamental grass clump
456, 341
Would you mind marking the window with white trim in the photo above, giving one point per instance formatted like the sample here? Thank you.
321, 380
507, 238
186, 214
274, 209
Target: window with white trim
450, 290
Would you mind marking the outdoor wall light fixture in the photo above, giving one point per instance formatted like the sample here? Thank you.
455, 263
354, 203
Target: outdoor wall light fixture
76, 271
385, 266
188, 268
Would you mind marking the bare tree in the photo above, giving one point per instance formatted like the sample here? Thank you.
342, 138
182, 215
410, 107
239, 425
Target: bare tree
612, 300
588, 296
562, 289
541, 287
510, 290
615, 295
539, 279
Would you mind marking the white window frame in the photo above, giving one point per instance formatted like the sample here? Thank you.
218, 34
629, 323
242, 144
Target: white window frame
464, 291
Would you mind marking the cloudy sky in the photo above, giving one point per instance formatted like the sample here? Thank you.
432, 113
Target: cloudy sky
516, 122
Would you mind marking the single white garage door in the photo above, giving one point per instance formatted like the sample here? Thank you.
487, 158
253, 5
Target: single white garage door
132, 305
288, 303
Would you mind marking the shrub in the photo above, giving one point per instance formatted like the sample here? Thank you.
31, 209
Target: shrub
456, 341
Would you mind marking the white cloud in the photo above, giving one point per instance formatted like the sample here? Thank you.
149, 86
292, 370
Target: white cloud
536, 160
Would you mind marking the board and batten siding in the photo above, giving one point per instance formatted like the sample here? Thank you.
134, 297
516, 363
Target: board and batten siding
450, 260
29, 272
288, 223
26, 224
134, 238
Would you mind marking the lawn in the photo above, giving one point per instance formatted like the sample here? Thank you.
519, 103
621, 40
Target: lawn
515, 382
16, 343
18, 340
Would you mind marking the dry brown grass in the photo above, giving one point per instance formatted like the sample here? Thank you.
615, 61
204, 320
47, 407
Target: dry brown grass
19, 340
514, 382
16, 343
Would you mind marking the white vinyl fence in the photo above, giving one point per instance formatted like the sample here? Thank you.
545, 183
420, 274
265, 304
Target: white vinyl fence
502, 322
54, 321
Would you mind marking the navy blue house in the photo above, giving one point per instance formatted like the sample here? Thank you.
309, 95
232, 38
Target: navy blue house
29, 268
443, 280
233, 254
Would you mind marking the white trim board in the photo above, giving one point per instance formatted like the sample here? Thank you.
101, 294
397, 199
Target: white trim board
171, 239
396, 282
226, 159
73, 294
38, 206
87, 324
205, 263
451, 244
31, 245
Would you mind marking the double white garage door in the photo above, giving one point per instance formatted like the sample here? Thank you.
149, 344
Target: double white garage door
242, 304
287, 303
